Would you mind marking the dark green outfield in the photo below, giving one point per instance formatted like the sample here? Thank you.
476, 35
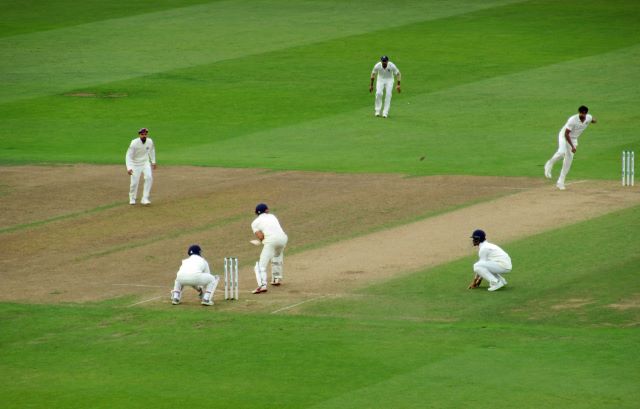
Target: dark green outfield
552, 338
283, 84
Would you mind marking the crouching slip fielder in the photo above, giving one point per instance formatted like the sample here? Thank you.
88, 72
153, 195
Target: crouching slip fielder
267, 229
492, 264
195, 272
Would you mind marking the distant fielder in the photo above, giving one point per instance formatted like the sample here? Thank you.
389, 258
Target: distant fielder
195, 272
493, 263
384, 71
268, 231
140, 159
568, 143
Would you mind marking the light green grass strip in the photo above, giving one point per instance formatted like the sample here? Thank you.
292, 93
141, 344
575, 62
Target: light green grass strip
494, 119
46, 63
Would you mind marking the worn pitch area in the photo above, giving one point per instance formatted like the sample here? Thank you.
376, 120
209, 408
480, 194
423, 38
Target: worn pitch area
68, 233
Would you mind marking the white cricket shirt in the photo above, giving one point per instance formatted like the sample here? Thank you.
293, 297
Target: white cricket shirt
195, 264
490, 252
575, 126
140, 153
385, 74
269, 225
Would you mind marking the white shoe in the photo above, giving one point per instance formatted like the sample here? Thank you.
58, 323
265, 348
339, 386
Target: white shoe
259, 290
175, 301
276, 282
205, 302
145, 202
132, 201
560, 186
377, 113
498, 285
502, 280
547, 171
384, 115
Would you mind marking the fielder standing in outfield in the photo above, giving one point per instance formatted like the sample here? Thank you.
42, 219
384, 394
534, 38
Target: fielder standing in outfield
492, 264
268, 231
140, 159
568, 143
195, 272
384, 71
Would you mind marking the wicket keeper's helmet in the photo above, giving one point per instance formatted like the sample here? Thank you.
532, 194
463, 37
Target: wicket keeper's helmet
384, 58
194, 249
261, 208
478, 236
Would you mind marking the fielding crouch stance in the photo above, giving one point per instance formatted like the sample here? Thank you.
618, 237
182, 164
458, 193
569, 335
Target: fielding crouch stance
195, 272
267, 229
492, 264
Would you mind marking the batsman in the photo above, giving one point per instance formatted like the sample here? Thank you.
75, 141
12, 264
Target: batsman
270, 234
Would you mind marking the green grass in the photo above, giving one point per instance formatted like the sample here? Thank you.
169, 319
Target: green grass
421, 341
481, 89
283, 85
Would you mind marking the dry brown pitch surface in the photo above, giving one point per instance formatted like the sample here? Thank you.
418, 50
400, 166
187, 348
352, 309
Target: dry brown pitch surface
68, 234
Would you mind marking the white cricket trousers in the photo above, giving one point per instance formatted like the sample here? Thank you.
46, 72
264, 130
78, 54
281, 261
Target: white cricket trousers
272, 252
208, 281
135, 180
387, 86
490, 270
564, 152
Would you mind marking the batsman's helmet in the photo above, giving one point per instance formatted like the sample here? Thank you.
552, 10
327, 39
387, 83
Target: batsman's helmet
143, 130
384, 58
478, 236
261, 208
194, 249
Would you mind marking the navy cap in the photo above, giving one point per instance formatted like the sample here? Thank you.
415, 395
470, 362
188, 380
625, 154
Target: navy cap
261, 208
194, 249
384, 58
479, 235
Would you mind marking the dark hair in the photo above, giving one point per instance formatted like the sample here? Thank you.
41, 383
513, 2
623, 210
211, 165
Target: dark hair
583, 109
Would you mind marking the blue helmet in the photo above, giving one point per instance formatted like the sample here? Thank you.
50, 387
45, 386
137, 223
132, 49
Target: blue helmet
261, 208
478, 236
194, 249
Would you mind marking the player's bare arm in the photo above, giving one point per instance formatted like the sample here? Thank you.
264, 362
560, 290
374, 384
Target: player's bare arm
373, 77
476, 282
567, 136
259, 235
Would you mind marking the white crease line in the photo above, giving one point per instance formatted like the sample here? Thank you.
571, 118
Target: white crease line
150, 299
300, 303
576, 182
141, 285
